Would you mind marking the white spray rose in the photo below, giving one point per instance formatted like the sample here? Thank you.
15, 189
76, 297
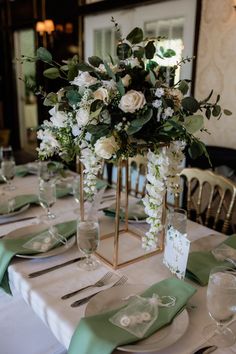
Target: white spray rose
132, 101
106, 147
84, 79
126, 80
82, 117
114, 68
58, 118
102, 94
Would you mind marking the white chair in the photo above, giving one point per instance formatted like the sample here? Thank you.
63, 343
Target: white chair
22, 332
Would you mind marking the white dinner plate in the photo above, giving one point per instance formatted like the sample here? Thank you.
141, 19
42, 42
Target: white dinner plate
37, 228
112, 298
19, 211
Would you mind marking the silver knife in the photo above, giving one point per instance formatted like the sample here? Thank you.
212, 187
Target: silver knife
10, 221
47, 270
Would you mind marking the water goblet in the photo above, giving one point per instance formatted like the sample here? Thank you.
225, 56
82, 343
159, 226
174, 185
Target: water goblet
47, 198
177, 221
8, 173
221, 305
87, 240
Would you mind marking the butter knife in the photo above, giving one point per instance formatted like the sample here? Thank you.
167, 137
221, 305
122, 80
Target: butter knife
47, 270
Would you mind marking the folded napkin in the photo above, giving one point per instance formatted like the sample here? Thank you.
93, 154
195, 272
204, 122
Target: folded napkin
12, 246
20, 171
135, 211
97, 335
200, 263
21, 200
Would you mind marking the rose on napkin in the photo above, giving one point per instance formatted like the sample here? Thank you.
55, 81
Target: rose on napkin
12, 246
200, 263
97, 335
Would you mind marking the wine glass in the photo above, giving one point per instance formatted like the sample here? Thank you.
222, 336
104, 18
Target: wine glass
87, 240
7, 167
221, 304
47, 198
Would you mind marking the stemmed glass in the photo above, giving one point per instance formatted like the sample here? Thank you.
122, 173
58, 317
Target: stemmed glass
47, 198
221, 304
88, 233
7, 167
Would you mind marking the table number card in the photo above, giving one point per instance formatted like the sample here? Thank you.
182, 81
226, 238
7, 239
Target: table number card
176, 252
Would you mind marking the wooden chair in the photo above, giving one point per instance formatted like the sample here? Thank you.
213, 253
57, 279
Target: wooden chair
137, 175
210, 198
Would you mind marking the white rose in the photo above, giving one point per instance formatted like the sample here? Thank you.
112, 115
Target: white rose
132, 101
126, 80
82, 117
114, 68
58, 118
84, 79
101, 94
106, 147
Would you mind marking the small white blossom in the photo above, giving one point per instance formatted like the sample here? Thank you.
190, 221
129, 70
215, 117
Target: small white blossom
157, 103
159, 92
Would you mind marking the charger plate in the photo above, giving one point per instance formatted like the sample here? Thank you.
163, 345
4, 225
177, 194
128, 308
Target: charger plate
112, 298
37, 228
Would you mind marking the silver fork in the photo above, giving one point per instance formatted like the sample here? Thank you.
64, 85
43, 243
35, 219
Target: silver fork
83, 301
99, 283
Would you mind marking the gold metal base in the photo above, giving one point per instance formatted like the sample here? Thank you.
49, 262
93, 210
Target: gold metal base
129, 248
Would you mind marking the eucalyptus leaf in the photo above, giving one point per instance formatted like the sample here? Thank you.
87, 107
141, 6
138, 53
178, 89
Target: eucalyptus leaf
85, 67
95, 61
44, 55
150, 50
183, 87
135, 36
190, 104
73, 97
120, 87
152, 77
139, 122
51, 73
72, 72
208, 113
196, 149
132, 129
64, 67
216, 110
50, 99
98, 130
139, 53
123, 51
169, 53
193, 123
109, 71
227, 112
96, 113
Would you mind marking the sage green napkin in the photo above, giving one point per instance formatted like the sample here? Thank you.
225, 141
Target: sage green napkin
97, 335
12, 246
22, 200
135, 211
200, 263
21, 171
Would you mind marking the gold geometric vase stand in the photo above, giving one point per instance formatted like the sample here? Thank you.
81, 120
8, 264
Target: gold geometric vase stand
123, 245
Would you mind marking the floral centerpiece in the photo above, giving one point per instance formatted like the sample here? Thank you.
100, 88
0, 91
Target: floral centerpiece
116, 109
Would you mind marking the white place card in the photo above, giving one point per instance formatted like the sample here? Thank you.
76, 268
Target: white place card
176, 252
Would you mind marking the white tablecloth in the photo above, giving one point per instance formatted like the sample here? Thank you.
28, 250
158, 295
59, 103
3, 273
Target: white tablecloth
43, 293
